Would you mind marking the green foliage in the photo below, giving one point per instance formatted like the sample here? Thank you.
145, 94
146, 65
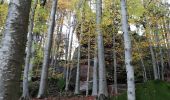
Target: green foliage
38, 55
3, 14
152, 90
61, 83
40, 21
135, 10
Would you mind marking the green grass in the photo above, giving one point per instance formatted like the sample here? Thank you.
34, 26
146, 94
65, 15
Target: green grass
152, 90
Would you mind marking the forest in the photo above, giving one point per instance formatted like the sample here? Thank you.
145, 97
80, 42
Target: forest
84, 49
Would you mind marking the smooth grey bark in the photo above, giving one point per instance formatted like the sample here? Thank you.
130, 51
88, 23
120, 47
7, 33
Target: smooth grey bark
55, 39
67, 66
47, 49
142, 62
95, 73
70, 62
157, 63
77, 86
25, 91
59, 39
88, 69
31, 65
153, 60
102, 69
160, 74
69, 56
115, 64
128, 55
143, 67
166, 39
13, 48
95, 68
114, 87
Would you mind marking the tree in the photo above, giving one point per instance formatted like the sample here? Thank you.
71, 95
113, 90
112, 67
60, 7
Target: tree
95, 73
47, 49
25, 92
128, 55
102, 70
69, 51
88, 69
12, 49
77, 85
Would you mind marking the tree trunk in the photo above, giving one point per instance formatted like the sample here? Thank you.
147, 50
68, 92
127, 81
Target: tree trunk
95, 74
115, 65
88, 69
69, 58
167, 40
102, 69
142, 62
67, 66
66, 59
47, 49
25, 92
77, 86
31, 65
12, 49
128, 55
153, 60
59, 34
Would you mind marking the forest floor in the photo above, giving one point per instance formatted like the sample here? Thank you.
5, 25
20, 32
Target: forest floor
68, 98
152, 90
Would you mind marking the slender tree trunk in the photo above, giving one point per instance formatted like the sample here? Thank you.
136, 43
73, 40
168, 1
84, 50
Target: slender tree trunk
157, 63
161, 76
66, 58
25, 92
77, 86
69, 59
47, 49
142, 62
114, 87
31, 65
102, 69
67, 66
12, 49
54, 46
95, 73
128, 55
167, 40
153, 60
115, 65
59, 34
88, 69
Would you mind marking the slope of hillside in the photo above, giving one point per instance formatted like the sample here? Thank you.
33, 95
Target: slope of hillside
152, 90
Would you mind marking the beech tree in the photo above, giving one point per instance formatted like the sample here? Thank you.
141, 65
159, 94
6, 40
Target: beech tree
95, 72
25, 92
47, 49
13, 48
128, 55
102, 70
